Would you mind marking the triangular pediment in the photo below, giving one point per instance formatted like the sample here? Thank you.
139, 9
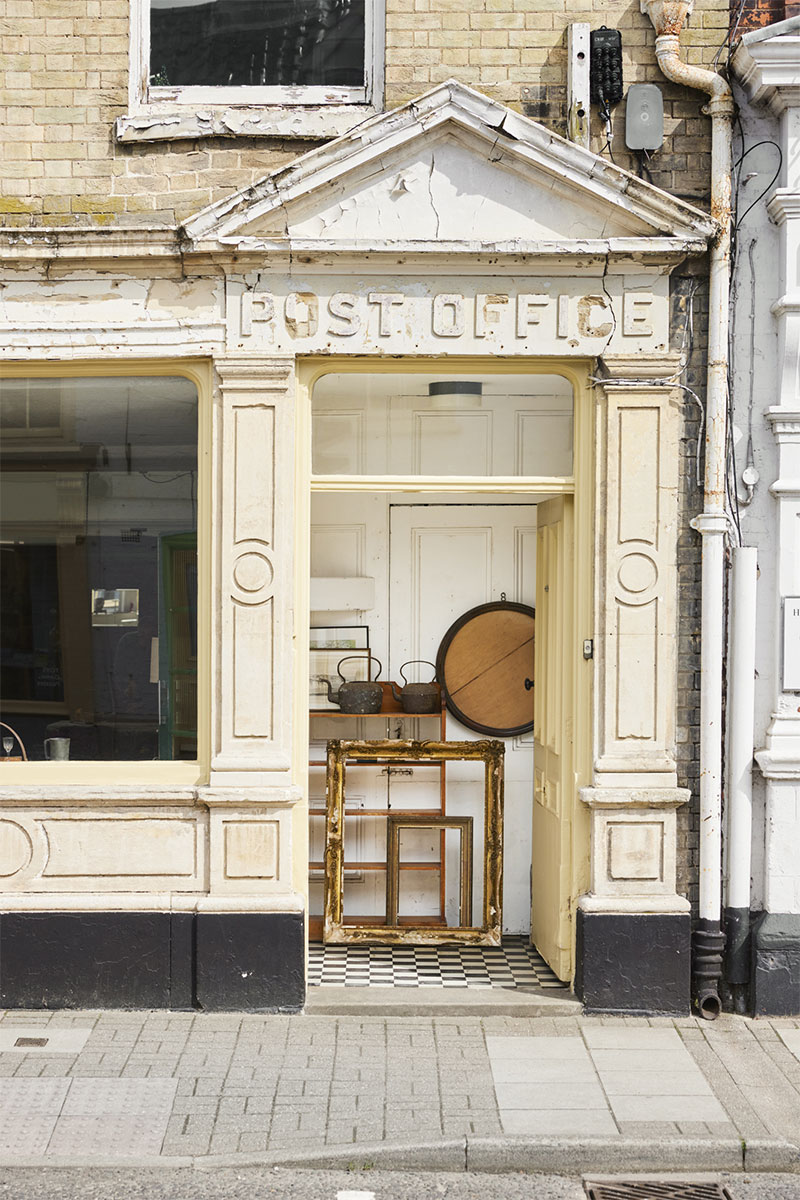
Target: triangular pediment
452, 169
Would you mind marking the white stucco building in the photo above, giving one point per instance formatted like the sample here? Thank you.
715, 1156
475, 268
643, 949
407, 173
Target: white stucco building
765, 394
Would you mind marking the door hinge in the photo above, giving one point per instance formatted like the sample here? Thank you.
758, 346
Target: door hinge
588, 648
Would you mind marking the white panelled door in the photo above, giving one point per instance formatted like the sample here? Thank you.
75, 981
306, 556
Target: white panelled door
443, 560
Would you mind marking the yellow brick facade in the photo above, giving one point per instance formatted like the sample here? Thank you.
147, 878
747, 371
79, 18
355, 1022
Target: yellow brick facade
64, 80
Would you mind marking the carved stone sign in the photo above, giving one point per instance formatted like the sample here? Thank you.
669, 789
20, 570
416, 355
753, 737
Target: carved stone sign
458, 314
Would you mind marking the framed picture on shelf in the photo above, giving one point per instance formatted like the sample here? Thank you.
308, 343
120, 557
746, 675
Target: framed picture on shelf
323, 668
339, 637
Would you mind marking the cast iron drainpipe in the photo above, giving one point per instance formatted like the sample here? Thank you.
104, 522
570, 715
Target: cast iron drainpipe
668, 17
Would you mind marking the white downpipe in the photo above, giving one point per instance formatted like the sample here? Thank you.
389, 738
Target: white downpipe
668, 17
742, 693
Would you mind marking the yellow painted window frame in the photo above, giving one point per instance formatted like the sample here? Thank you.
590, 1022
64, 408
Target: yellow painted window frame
581, 484
157, 773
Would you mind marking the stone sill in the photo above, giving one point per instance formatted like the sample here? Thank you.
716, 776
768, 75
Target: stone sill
310, 122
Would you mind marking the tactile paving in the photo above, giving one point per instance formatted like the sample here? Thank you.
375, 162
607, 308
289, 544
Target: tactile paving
32, 1097
109, 1136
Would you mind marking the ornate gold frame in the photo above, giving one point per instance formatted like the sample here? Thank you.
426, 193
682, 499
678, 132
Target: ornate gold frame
490, 753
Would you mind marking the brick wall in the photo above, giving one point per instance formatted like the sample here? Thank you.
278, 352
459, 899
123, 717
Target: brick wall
689, 329
64, 78
754, 14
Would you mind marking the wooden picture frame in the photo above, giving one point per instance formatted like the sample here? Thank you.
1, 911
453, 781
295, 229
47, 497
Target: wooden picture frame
340, 752
398, 821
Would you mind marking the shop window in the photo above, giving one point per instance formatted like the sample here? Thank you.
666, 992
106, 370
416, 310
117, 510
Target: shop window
98, 534
295, 67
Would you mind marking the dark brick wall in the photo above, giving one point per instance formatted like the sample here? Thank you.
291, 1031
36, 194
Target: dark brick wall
689, 326
754, 14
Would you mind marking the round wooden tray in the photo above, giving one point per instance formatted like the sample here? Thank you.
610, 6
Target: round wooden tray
484, 663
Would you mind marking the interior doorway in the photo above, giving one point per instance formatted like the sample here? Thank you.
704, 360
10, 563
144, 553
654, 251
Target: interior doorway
424, 505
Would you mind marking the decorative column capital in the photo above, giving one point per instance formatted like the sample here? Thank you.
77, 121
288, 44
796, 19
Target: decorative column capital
635, 370
247, 371
785, 423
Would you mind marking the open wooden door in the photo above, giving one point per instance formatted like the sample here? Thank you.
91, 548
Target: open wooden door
554, 702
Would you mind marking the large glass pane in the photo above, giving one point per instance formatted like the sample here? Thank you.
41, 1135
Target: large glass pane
98, 529
257, 43
442, 425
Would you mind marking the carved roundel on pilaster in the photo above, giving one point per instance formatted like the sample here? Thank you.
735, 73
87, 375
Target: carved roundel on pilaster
637, 577
23, 850
252, 576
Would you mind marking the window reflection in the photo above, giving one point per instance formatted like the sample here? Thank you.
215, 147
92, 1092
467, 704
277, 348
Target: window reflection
257, 43
98, 575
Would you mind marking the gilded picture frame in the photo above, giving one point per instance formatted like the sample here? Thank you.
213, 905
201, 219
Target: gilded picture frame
340, 752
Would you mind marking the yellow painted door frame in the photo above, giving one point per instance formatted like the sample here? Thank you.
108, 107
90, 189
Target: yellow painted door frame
578, 493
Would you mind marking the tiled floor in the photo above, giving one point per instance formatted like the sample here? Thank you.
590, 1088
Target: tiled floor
515, 964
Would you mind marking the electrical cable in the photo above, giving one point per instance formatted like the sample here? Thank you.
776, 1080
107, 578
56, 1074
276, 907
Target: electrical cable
644, 172
730, 36
762, 194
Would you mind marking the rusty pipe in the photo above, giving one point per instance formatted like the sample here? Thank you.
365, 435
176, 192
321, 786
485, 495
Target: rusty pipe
668, 17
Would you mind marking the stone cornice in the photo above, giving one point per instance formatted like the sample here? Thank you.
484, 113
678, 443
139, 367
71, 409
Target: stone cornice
783, 206
95, 795
769, 70
638, 370
237, 797
784, 421
636, 797
136, 250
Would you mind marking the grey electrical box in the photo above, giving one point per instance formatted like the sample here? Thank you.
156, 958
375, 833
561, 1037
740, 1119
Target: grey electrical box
644, 117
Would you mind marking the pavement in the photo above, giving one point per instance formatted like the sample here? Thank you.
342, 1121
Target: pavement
479, 1090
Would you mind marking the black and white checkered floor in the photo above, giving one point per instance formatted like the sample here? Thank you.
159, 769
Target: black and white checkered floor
515, 964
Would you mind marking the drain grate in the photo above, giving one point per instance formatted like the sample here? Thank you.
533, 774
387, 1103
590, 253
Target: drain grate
654, 1189
27, 1041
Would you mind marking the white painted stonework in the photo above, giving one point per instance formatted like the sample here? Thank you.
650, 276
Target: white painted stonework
451, 227
768, 280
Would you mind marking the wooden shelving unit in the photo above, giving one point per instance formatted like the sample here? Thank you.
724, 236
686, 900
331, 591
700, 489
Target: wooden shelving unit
390, 711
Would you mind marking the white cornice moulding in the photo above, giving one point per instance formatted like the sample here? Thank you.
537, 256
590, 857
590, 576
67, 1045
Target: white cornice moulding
769, 69
784, 205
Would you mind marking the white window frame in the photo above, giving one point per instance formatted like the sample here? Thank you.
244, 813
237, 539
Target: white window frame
162, 113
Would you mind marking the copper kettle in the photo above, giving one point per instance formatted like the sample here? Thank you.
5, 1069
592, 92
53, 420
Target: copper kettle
418, 697
357, 695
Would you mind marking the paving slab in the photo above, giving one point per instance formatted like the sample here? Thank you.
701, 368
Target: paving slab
37, 1039
513, 1088
646, 1083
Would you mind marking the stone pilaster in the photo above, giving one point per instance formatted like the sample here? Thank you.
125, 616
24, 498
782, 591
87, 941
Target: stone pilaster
633, 928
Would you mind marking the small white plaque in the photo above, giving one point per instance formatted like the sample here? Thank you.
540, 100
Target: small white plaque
791, 643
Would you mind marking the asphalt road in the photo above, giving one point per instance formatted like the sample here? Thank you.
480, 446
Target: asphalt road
75, 1183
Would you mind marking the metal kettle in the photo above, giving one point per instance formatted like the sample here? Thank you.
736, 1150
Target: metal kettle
357, 695
418, 697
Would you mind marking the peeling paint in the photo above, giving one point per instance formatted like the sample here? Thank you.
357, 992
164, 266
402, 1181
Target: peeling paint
182, 298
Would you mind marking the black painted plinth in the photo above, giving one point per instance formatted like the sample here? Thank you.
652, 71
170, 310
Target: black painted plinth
775, 981
248, 962
634, 963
